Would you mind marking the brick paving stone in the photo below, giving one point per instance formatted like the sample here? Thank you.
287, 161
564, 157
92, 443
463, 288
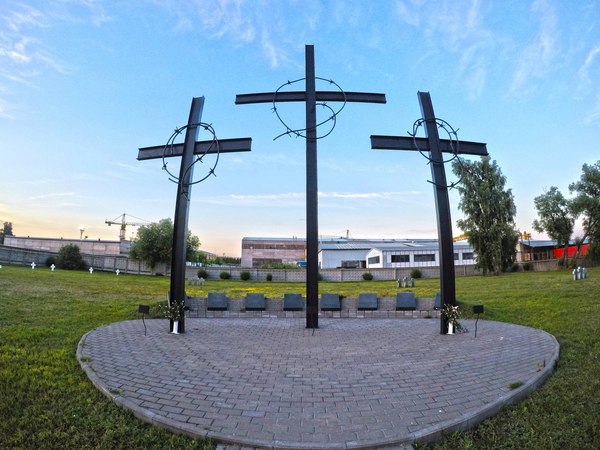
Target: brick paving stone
353, 383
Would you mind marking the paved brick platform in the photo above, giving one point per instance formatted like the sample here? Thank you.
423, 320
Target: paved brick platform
352, 383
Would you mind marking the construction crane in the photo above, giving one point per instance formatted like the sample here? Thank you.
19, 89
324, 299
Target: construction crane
123, 223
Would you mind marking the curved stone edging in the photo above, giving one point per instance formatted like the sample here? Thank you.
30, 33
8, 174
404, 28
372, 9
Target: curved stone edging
352, 390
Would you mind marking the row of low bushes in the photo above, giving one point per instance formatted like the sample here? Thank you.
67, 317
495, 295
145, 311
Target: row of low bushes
245, 275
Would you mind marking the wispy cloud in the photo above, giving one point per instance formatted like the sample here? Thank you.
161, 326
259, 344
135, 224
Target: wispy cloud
589, 74
52, 195
25, 57
593, 114
133, 168
274, 53
589, 64
366, 195
22, 57
538, 57
217, 17
457, 28
298, 198
407, 13
55, 200
249, 22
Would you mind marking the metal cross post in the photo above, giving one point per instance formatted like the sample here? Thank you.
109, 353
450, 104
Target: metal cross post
435, 146
187, 150
310, 97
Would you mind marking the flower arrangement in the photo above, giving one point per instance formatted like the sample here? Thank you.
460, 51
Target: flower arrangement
172, 311
452, 314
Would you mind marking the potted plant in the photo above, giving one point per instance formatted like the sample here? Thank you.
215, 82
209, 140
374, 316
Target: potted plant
173, 311
452, 314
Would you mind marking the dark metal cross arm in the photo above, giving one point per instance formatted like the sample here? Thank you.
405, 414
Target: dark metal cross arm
311, 97
300, 96
201, 147
379, 142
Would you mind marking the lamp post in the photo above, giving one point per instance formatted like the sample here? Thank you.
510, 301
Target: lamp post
81, 230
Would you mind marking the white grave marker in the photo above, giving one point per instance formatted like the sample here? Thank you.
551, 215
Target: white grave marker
91, 270
33, 264
117, 272
52, 267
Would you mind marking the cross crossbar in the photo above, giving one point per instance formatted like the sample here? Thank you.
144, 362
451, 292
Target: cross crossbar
310, 96
201, 147
300, 96
435, 146
187, 150
379, 142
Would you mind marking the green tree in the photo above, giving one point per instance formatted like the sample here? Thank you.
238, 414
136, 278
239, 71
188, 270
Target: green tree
586, 204
554, 218
154, 243
6, 231
192, 245
489, 211
69, 257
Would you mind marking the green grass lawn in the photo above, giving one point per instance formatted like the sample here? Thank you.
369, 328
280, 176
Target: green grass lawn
46, 401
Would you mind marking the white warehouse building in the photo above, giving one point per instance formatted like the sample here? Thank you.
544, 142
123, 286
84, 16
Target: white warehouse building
388, 253
422, 253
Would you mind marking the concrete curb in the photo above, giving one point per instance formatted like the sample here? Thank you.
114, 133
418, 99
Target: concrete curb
120, 392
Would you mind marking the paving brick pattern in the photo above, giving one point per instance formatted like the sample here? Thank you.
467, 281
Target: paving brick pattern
352, 383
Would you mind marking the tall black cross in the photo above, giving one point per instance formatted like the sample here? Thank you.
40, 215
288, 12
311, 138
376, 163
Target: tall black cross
310, 97
187, 150
435, 146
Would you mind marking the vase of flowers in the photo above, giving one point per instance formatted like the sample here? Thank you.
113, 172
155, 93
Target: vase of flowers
451, 313
173, 311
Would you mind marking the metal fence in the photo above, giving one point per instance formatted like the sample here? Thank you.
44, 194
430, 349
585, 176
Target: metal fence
18, 256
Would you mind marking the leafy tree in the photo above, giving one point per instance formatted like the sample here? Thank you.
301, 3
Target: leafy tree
489, 211
224, 261
554, 218
154, 243
192, 245
201, 257
586, 204
69, 257
6, 231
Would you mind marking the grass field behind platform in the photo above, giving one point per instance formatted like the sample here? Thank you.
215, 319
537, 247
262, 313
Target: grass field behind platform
46, 400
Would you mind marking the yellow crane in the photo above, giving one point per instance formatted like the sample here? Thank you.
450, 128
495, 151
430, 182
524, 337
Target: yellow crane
123, 223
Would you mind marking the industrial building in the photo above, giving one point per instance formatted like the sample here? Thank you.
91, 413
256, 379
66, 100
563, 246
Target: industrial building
352, 253
257, 252
53, 245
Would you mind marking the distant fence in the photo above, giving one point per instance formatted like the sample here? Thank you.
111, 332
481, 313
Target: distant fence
18, 256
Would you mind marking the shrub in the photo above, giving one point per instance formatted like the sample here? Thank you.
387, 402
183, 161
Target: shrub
320, 277
245, 275
279, 265
69, 257
527, 267
269, 277
515, 267
367, 276
416, 273
202, 273
224, 275
50, 260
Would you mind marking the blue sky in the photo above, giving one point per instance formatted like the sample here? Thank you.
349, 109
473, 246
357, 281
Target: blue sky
85, 83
